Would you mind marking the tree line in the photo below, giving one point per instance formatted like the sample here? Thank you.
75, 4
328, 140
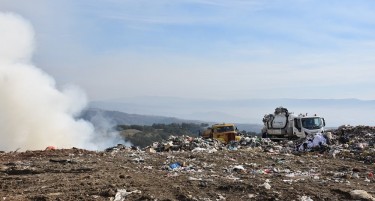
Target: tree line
142, 135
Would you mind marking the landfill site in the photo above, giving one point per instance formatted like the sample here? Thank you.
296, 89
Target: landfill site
339, 166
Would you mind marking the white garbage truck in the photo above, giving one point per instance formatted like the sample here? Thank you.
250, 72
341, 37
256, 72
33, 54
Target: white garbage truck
283, 124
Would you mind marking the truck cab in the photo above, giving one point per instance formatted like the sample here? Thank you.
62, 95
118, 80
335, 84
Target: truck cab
304, 125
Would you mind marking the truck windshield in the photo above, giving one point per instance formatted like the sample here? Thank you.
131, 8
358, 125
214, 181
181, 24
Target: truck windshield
225, 129
312, 123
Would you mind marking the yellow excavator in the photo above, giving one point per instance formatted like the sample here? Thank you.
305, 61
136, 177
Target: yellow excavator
224, 132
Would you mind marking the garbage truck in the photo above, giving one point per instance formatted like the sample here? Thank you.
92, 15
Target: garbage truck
283, 124
225, 132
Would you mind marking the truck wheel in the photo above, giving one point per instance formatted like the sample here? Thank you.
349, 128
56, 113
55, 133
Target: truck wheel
264, 135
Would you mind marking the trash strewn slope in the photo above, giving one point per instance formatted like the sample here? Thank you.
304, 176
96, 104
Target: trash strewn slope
334, 166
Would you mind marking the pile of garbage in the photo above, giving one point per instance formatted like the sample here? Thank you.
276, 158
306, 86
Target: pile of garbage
361, 136
345, 142
334, 165
194, 144
354, 142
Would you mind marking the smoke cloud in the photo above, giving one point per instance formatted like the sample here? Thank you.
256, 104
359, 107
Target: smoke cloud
34, 114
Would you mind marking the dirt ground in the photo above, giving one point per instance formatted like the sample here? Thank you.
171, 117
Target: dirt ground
129, 174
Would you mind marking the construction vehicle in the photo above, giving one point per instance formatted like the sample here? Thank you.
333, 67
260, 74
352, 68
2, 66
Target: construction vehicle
283, 124
222, 132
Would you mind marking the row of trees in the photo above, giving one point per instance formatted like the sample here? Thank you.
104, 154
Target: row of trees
146, 135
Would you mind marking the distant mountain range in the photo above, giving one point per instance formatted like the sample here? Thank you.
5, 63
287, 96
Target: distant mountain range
122, 118
111, 118
167, 109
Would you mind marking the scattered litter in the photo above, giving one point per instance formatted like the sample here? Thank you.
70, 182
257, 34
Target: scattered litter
138, 160
361, 194
220, 197
194, 179
266, 185
62, 161
50, 148
313, 141
305, 198
251, 161
122, 193
238, 168
174, 165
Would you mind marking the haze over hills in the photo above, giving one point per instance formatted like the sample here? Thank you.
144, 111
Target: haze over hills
122, 118
336, 111
112, 118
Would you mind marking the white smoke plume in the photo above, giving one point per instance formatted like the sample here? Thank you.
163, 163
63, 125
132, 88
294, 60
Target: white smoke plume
34, 114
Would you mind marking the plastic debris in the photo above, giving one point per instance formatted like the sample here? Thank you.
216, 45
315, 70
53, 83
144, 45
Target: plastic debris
122, 193
361, 194
305, 198
317, 140
49, 148
238, 168
174, 165
266, 185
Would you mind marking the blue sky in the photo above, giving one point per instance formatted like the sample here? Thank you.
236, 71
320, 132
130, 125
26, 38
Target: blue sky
204, 48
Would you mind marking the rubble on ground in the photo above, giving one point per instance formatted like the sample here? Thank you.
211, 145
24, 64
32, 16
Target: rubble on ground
336, 165
347, 141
